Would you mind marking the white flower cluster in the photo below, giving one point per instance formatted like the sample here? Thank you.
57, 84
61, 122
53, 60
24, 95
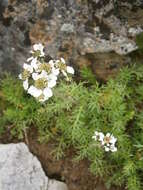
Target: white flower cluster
107, 141
39, 77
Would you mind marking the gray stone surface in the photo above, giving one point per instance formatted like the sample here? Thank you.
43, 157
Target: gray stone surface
20, 170
56, 185
67, 28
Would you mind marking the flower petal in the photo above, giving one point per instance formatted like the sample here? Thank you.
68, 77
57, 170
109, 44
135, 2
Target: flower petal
34, 63
55, 71
51, 83
113, 140
62, 60
47, 92
70, 70
30, 59
35, 76
107, 149
28, 67
113, 149
34, 91
25, 84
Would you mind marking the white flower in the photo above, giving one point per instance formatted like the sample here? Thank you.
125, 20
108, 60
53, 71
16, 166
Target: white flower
28, 67
34, 63
70, 70
39, 47
43, 76
25, 84
113, 139
30, 59
107, 149
95, 136
52, 77
61, 64
98, 136
55, 71
37, 76
33, 91
51, 83
107, 141
51, 62
62, 60
47, 92
51, 80
113, 148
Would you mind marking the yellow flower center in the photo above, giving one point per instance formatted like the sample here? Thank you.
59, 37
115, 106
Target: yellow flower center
46, 67
62, 66
107, 140
25, 74
41, 83
37, 53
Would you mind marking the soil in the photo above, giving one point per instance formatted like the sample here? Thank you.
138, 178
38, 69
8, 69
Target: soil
75, 174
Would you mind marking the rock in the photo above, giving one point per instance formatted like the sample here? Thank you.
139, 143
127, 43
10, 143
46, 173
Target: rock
56, 185
71, 29
20, 170
68, 28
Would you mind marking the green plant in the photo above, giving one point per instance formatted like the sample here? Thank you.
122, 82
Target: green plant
76, 111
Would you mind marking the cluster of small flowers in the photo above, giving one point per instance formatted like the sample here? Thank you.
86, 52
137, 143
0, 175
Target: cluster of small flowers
107, 141
39, 77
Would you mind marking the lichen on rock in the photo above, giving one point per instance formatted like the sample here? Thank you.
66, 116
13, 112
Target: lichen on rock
67, 28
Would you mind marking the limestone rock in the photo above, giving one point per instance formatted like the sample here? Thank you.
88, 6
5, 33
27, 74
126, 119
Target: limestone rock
20, 170
71, 29
56, 185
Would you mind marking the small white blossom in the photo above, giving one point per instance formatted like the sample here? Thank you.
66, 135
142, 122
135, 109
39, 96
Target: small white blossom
107, 141
61, 64
52, 63
39, 77
98, 136
33, 91
30, 59
55, 71
35, 76
107, 149
39, 47
51, 83
28, 67
70, 70
113, 148
62, 60
34, 63
48, 92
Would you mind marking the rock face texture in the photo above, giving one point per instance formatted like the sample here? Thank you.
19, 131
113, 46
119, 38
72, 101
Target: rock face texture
20, 170
73, 29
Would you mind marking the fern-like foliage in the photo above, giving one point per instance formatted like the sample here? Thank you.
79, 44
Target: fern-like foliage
76, 111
